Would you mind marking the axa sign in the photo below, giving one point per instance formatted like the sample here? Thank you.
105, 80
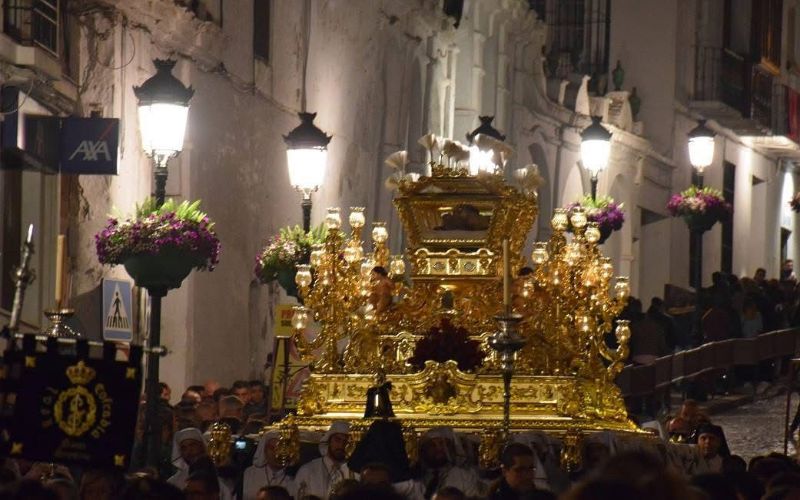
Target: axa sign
89, 145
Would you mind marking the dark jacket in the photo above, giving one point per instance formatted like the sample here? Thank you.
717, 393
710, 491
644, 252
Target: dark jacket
502, 491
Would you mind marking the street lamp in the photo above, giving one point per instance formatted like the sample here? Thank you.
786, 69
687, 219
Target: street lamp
483, 160
701, 149
701, 155
163, 109
306, 158
595, 150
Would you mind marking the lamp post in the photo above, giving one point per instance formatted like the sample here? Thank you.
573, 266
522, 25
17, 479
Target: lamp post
701, 155
306, 158
595, 150
163, 110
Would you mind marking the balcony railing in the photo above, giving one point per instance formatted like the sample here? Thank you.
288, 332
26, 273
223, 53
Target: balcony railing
751, 89
34, 22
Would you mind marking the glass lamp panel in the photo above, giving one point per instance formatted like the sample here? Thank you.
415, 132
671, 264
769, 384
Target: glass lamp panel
163, 127
701, 152
306, 167
594, 155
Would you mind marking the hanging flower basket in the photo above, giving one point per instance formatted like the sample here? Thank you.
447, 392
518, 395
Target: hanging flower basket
279, 259
700, 222
159, 247
165, 270
602, 210
700, 208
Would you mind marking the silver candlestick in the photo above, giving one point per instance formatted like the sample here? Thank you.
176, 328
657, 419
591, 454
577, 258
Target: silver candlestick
506, 342
22, 277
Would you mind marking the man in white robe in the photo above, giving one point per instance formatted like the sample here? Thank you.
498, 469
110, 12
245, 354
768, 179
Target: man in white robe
187, 447
266, 471
438, 466
319, 476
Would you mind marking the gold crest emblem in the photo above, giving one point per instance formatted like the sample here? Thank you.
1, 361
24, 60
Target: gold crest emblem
75, 409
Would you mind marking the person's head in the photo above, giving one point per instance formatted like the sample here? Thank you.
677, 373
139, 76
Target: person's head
379, 272
715, 486
518, 467
166, 392
190, 445
449, 493
231, 407
375, 473
603, 489
337, 443
241, 390
434, 451
191, 397
709, 440
62, 486
199, 389
733, 464
656, 304
202, 485
207, 411
145, 487
788, 265
220, 393
761, 275
689, 410
273, 493
257, 393
211, 386
271, 452
101, 484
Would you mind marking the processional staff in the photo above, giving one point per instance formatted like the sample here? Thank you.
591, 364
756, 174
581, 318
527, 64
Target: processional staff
22, 276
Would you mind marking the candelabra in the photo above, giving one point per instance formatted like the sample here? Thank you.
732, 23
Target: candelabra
566, 305
339, 292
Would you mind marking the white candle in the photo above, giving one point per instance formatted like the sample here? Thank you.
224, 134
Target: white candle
29, 239
59, 268
506, 276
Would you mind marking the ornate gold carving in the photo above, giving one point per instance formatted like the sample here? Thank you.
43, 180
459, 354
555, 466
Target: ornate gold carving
219, 443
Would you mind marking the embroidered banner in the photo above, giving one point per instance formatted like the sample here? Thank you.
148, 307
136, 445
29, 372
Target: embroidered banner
62, 405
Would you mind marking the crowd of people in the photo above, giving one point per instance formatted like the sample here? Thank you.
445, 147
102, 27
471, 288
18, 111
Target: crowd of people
529, 468
731, 307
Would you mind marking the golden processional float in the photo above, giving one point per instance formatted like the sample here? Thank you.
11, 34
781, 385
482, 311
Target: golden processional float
465, 228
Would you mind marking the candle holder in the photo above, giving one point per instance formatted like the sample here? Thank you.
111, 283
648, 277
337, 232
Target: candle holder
58, 326
507, 342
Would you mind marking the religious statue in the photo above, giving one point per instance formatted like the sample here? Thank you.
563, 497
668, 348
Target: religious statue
381, 289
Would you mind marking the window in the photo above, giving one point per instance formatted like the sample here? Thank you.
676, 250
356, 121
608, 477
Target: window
577, 36
261, 18
35, 22
767, 24
728, 190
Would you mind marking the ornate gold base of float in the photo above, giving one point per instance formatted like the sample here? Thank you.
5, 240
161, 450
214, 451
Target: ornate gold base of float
443, 395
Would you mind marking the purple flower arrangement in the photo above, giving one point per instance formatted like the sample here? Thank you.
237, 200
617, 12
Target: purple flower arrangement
603, 210
795, 202
182, 228
700, 202
284, 251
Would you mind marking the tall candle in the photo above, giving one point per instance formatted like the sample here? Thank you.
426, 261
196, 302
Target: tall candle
29, 239
506, 276
59, 268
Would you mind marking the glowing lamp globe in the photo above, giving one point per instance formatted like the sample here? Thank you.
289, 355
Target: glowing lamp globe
595, 147
306, 154
163, 111
701, 147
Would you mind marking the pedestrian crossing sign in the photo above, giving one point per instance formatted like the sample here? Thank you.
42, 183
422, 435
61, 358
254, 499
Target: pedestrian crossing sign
117, 310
